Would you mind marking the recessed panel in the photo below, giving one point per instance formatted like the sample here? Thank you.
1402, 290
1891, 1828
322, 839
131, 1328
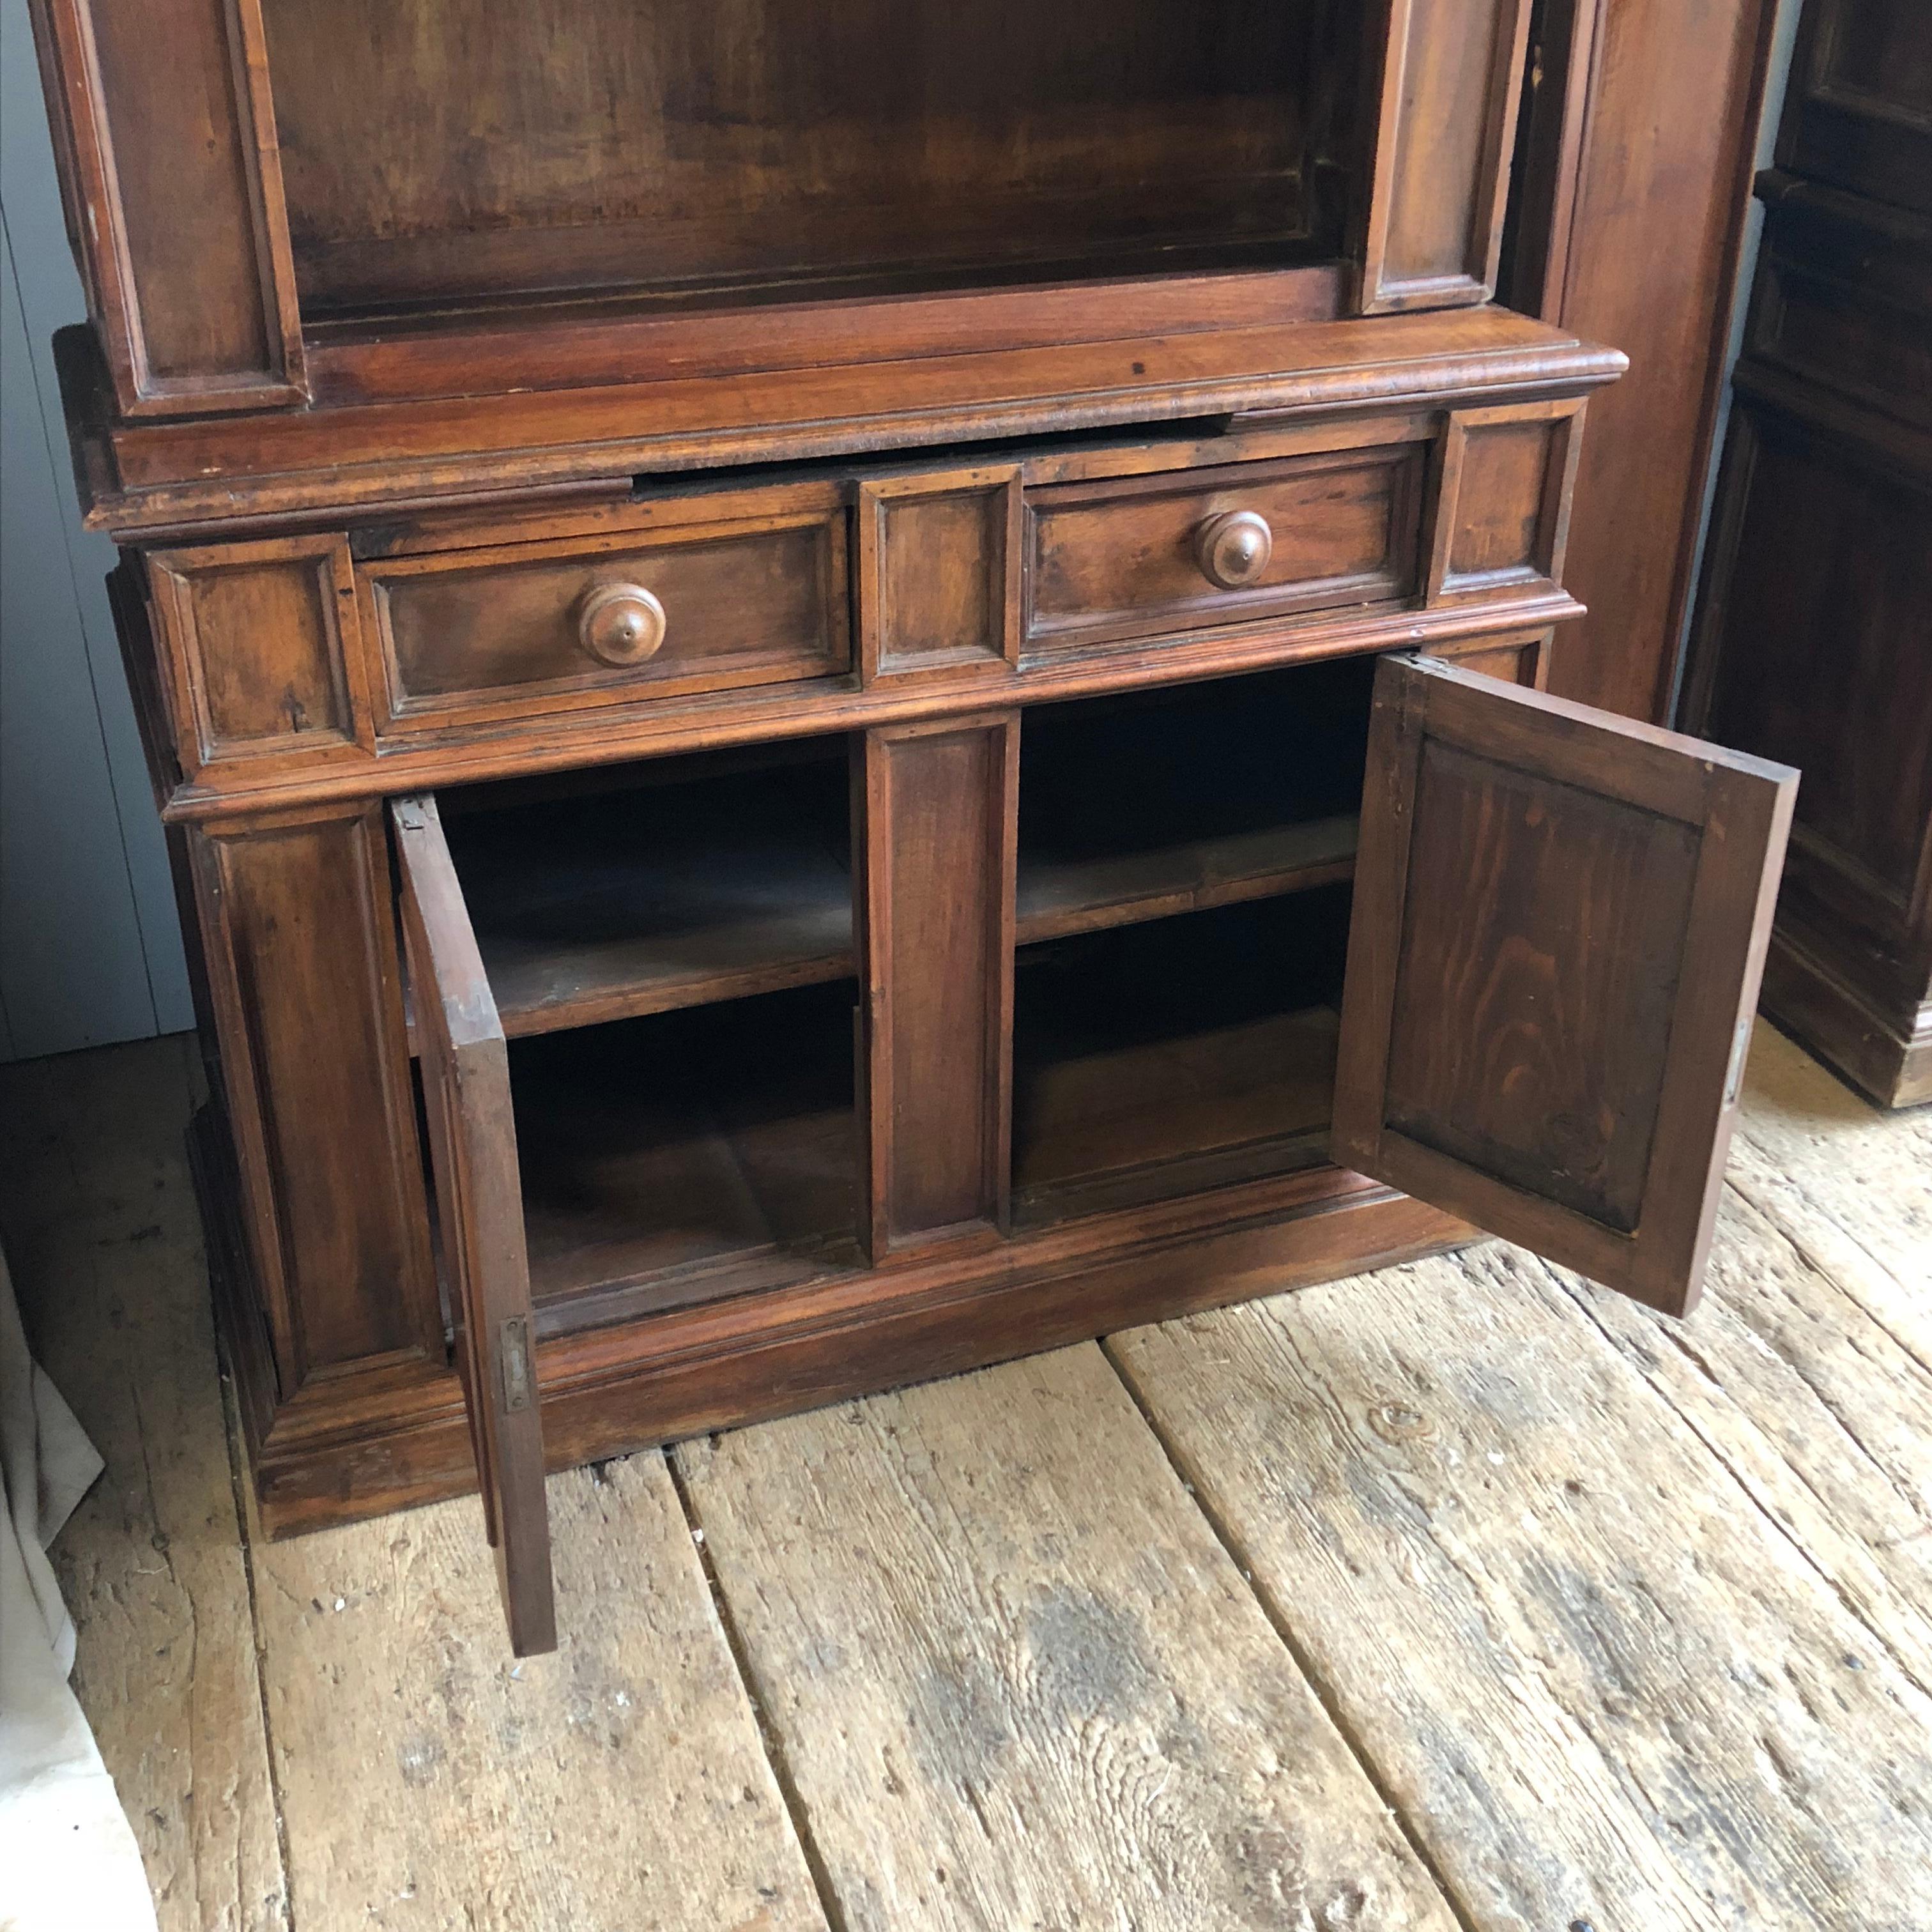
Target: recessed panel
1832, 576
1500, 503
1533, 1006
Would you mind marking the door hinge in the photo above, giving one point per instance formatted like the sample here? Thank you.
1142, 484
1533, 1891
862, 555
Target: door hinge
513, 1350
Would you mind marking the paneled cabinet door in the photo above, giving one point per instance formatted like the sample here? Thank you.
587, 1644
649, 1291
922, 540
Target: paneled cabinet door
1560, 921
466, 1079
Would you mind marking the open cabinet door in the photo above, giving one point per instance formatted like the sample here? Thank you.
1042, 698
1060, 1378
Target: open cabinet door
1560, 921
466, 1078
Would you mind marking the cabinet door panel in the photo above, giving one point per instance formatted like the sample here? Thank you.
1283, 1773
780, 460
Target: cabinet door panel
1560, 923
466, 1076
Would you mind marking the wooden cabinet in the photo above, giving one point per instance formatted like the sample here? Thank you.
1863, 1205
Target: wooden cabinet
1814, 640
859, 700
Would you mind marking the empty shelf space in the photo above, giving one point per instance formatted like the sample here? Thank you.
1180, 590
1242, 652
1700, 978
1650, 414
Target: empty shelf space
621, 903
1158, 1060
686, 1155
1061, 897
1172, 802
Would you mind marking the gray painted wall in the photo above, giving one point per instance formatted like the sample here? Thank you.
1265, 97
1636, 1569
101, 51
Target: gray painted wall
89, 949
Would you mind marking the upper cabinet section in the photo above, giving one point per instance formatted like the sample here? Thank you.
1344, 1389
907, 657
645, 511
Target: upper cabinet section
291, 202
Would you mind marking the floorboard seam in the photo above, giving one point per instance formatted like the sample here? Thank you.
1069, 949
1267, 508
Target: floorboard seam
1769, 1209
768, 1739
238, 1477
1311, 1672
1840, 1595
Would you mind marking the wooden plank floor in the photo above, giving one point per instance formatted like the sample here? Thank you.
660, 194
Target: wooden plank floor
1463, 1596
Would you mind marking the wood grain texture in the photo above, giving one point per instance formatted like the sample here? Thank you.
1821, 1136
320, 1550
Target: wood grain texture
1018, 1697
738, 146
939, 571
299, 923
1530, 871
1811, 614
1607, 1687
479, 1209
488, 635
936, 813
609, 901
1118, 560
427, 1781
407, 454
1644, 222
263, 650
174, 194
1850, 1188
1451, 75
101, 1236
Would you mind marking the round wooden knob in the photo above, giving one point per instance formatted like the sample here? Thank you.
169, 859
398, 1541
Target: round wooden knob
1234, 548
621, 623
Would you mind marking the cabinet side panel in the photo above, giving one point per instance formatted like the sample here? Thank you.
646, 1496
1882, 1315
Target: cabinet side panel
1653, 219
939, 819
171, 134
1452, 79
300, 940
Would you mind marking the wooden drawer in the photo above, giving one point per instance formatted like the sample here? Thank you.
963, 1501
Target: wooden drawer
1135, 557
537, 627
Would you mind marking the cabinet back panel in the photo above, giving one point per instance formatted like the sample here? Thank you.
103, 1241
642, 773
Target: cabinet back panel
491, 148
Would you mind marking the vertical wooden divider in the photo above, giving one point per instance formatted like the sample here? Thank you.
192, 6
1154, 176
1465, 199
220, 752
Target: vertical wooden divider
936, 815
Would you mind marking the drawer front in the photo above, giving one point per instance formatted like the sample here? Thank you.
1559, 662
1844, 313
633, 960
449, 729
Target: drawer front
542, 627
1244, 542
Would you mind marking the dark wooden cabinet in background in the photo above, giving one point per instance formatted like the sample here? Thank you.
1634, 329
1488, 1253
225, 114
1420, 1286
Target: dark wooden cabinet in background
836, 700
1814, 642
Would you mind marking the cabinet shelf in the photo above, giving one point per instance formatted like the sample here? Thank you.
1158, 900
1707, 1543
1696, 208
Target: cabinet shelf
1166, 1058
610, 907
1058, 898
686, 1156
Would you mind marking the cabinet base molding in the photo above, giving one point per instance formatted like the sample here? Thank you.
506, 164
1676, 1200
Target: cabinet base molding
1886, 1054
338, 1453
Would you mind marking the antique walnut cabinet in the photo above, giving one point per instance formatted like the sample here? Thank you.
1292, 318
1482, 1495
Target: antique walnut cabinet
844, 690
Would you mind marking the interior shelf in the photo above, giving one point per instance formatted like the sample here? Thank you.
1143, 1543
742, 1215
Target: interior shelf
614, 904
1158, 1060
1172, 802
678, 1157
1058, 898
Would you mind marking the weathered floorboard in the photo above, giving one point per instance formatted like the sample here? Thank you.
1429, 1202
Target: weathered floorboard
1850, 1186
1816, 1411
101, 1231
428, 1779
1017, 1682
1601, 1685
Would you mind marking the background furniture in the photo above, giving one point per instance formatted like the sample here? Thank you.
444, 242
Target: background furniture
1814, 633
837, 701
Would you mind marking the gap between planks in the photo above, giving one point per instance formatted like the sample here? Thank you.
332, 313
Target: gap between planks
1304, 1661
829, 1903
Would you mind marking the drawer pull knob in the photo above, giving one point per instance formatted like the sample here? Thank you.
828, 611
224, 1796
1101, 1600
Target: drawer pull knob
621, 623
1233, 549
